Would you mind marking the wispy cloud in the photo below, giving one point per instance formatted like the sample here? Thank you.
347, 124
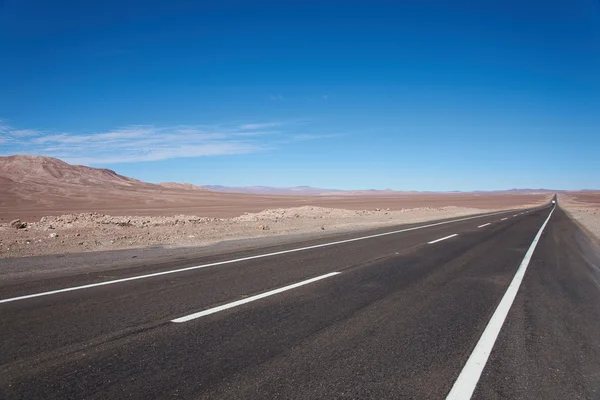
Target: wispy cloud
138, 143
25, 133
264, 125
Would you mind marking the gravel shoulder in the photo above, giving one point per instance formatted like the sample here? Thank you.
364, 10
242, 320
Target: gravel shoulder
88, 232
585, 211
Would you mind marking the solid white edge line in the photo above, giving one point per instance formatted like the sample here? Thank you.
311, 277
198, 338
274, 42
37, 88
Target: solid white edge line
250, 299
481, 226
444, 238
469, 376
174, 271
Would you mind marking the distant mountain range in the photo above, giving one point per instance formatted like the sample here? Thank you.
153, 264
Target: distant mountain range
22, 170
311, 191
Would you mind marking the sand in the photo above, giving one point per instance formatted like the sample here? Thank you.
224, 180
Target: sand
583, 207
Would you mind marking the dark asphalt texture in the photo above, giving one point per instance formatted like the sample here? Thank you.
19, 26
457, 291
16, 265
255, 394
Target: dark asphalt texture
400, 320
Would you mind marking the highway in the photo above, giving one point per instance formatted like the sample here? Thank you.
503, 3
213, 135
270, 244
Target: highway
496, 306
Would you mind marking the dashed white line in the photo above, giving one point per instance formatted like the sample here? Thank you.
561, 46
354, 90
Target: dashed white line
481, 226
250, 299
444, 238
467, 380
236, 260
503, 219
515, 215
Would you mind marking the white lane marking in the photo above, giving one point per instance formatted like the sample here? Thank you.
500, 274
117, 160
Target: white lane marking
515, 215
174, 271
444, 238
250, 299
503, 219
481, 226
469, 376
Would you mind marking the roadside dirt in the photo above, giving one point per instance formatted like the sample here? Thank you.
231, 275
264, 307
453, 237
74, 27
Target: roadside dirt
584, 207
94, 232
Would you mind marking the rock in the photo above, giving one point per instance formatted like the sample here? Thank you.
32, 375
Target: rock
322, 228
17, 224
80, 243
264, 227
77, 235
53, 235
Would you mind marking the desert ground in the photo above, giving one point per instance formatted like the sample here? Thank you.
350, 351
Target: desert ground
53, 200
50, 207
584, 207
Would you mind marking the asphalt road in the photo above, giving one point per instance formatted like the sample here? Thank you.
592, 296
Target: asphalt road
400, 318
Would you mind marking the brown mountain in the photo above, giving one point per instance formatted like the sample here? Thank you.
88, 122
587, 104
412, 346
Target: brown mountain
48, 170
44, 185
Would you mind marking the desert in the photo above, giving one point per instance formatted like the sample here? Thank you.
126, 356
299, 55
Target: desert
583, 207
50, 207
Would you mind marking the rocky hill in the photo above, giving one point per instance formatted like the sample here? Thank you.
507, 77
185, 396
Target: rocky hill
47, 170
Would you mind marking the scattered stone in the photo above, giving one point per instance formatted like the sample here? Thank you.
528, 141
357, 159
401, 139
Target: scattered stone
17, 224
143, 231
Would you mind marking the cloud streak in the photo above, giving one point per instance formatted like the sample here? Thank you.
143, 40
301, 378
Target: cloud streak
139, 143
266, 125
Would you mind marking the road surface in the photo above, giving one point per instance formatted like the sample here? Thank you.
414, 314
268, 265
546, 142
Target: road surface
387, 314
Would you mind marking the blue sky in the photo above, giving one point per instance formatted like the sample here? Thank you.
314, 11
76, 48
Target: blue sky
422, 95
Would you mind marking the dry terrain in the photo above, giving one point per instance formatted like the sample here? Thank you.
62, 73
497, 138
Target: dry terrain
584, 207
64, 208
93, 232
32, 187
